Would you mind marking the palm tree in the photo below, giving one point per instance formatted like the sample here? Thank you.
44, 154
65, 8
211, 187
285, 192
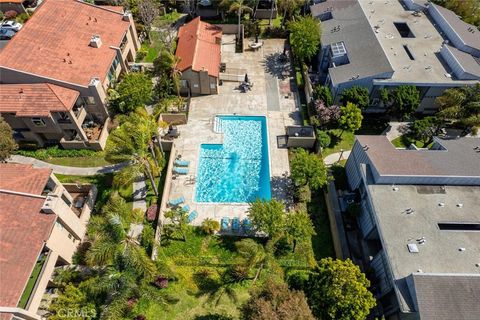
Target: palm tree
132, 142
238, 6
252, 255
166, 68
112, 245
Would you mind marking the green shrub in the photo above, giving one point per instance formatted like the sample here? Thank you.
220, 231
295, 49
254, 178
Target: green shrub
22, 18
304, 194
56, 152
323, 139
210, 226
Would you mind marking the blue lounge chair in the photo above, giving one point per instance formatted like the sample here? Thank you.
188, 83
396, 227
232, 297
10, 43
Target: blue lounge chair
235, 224
224, 223
181, 163
179, 170
192, 216
176, 202
186, 208
246, 225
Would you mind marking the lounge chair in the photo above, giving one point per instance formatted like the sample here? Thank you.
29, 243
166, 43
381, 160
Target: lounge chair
186, 208
235, 224
181, 163
246, 225
179, 170
192, 216
176, 202
224, 223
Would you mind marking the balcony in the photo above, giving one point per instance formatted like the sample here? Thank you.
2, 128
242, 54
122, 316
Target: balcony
84, 196
32, 281
95, 132
80, 114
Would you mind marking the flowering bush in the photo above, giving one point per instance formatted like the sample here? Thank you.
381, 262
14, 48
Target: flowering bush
326, 114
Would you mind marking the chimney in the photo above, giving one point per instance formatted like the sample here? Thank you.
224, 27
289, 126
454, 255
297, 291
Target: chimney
95, 41
126, 15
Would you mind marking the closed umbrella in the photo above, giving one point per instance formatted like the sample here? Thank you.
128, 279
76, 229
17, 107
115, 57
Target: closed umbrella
246, 78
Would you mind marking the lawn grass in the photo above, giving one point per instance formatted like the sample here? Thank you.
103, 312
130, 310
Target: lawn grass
84, 162
406, 140
371, 125
344, 141
322, 242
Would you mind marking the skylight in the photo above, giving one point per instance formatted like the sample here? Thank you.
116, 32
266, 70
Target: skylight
338, 49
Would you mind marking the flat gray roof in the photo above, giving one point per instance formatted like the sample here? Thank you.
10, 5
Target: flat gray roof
440, 253
471, 39
365, 54
447, 297
427, 66
458, 159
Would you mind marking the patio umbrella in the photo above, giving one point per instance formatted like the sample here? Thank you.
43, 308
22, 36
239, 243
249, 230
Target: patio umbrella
256, 37
246, 78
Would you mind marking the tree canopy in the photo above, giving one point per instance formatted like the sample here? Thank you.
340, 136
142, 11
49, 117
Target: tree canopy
324, 94
308, 169
403, 100
7, 143
274, 301
460, 104
304, 37
134, 91
356, 95
338, 290
268, 216
425, 129
299, 227
350, 118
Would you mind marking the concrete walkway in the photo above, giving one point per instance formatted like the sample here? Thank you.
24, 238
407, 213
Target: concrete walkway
334, 157
73, 171
396, 129
139, 194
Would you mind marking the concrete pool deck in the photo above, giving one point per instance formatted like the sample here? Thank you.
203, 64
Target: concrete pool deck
273, 95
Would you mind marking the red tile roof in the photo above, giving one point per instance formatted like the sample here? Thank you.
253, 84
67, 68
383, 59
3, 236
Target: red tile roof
199, 47
24, 230
12, 1
54, 42
37, 99
23, 178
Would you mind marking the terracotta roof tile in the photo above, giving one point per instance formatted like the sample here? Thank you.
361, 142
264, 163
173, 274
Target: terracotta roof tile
24, 229
54, 42
37, 99
23, 178
199, 47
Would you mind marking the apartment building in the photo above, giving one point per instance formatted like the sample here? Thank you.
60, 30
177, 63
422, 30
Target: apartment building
75, 46
42, 222
384, 44
420, 226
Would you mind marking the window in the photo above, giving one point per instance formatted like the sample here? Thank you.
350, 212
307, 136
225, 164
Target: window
39, 122
89, 100
453, 226
409, 53
404, 30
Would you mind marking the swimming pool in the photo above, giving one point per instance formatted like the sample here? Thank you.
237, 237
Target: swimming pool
237, 170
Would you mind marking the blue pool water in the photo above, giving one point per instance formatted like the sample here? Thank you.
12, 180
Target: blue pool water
237, 170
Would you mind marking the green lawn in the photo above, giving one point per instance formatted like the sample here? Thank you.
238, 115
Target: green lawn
406, 140
344, 141
322, 242
151, 50
93, 161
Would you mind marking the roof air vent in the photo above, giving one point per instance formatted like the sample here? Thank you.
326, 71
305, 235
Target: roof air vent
441, 204
126, 15
459, 205
412, 248
461, 249
95, 41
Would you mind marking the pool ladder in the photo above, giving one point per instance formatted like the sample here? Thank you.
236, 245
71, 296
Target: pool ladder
217, 125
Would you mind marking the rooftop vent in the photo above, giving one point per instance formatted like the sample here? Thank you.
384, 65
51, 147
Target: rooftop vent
95, 41
412, 248
461, 249
459, 205
404, 30
126, 15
